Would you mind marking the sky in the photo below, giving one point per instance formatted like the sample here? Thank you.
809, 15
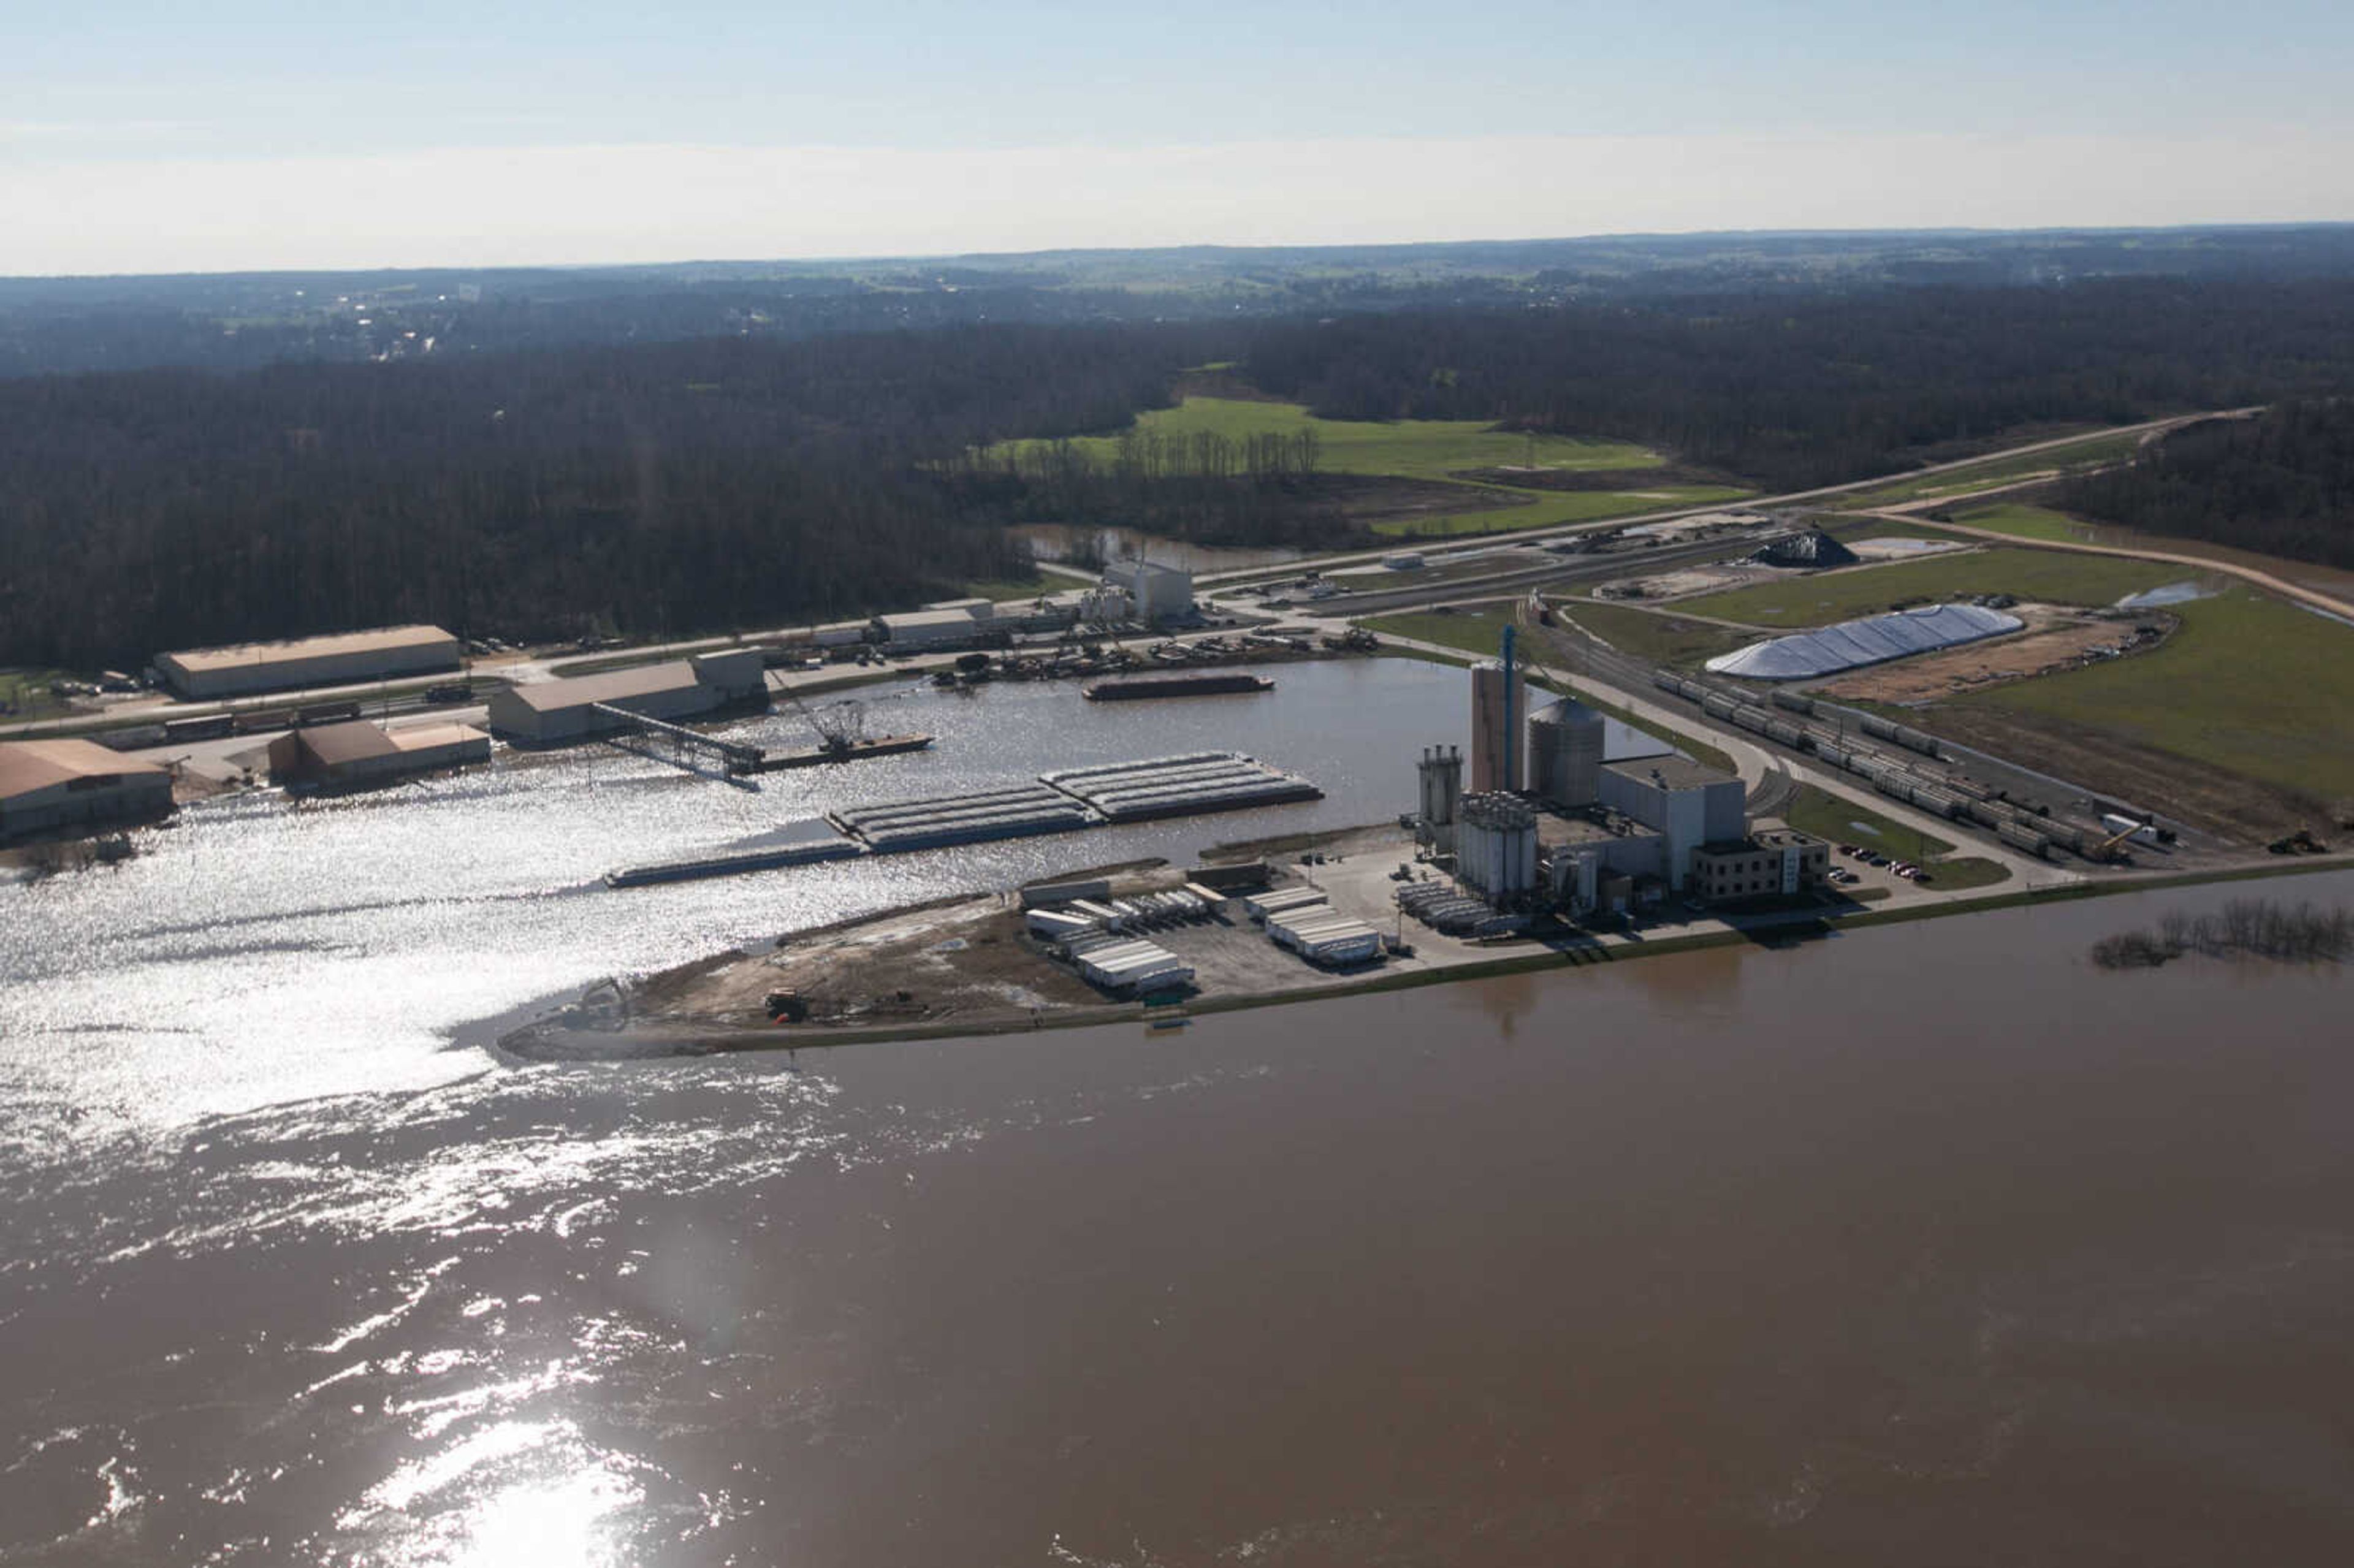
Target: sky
142, 136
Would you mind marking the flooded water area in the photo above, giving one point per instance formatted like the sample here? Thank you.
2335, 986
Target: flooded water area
1922, 1243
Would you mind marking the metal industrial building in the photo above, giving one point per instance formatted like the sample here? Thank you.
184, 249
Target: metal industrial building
1155, 594
548, 711
337, 756
64, 783
342, 659
935, 626
1687, 803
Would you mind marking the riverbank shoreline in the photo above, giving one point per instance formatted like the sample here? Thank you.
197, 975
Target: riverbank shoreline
568, 1032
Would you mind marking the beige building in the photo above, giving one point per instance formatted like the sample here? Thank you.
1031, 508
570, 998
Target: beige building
338, 756
548, 711
345, 658
49, 784
1499, 707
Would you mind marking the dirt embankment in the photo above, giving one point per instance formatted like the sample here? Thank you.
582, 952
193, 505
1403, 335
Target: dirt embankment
2057, 640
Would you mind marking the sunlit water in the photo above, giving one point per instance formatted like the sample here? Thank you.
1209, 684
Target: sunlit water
1926, 1242
258, 952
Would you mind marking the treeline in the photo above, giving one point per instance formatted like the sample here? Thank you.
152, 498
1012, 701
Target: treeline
730, 482
681, 486
2245, 929
1835, 387
2282, 482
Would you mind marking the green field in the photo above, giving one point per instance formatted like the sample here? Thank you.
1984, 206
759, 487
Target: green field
2024, 522
1659, 636
1839, 821
1430, 451
2107, 447
1409, 448
2051, 577
2248, 685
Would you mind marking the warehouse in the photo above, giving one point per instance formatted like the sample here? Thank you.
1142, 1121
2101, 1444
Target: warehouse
1870, 641
340, 755
548, 711
1686, 803
1155, 594
958, 622
67, 783
345, 659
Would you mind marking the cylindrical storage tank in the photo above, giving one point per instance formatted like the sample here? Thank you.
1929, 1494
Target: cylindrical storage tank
1872, 724
1566, 741
1797, 701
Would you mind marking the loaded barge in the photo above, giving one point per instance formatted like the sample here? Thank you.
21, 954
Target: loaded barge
1204, 685
1065, 801
857, 750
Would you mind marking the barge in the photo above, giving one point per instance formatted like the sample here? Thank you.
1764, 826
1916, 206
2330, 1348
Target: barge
856, 751
1201, 686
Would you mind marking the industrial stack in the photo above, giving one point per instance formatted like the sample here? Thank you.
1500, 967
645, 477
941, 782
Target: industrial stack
1498, 702
1441, 772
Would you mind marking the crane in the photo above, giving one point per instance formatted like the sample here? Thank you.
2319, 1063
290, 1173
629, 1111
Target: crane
838, 726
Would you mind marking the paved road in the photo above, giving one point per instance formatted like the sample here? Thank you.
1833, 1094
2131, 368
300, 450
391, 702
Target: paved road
1489, 541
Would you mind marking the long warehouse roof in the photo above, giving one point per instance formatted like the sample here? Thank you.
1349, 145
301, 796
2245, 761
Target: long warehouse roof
382, 640
29, 765
1871, 640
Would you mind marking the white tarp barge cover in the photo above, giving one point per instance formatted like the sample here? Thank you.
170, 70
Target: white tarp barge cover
1870, 641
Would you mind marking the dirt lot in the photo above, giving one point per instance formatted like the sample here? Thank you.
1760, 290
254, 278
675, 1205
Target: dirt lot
2226, 804
1713, 577
2055, 640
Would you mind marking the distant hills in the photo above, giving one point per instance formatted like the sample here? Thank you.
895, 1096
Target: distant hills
239, 321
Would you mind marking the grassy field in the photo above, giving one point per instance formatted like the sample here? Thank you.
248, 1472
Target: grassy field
2248, 685
1411, 449
1659, 636
1476, 635
2108, 446
2048, 575
1840, 821
2023, 522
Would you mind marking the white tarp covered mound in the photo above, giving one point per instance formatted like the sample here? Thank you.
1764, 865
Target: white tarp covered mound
1870, 641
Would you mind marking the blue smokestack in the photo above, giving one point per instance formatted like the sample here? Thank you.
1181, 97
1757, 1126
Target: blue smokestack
1511, 718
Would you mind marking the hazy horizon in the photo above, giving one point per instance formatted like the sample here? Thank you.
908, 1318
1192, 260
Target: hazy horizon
167, 142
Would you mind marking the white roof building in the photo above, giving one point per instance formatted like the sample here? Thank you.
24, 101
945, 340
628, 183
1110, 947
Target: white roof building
1870, 641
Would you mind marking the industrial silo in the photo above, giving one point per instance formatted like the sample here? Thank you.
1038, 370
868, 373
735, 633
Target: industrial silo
1565, 753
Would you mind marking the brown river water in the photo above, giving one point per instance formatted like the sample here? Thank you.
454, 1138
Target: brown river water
1928, 1244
